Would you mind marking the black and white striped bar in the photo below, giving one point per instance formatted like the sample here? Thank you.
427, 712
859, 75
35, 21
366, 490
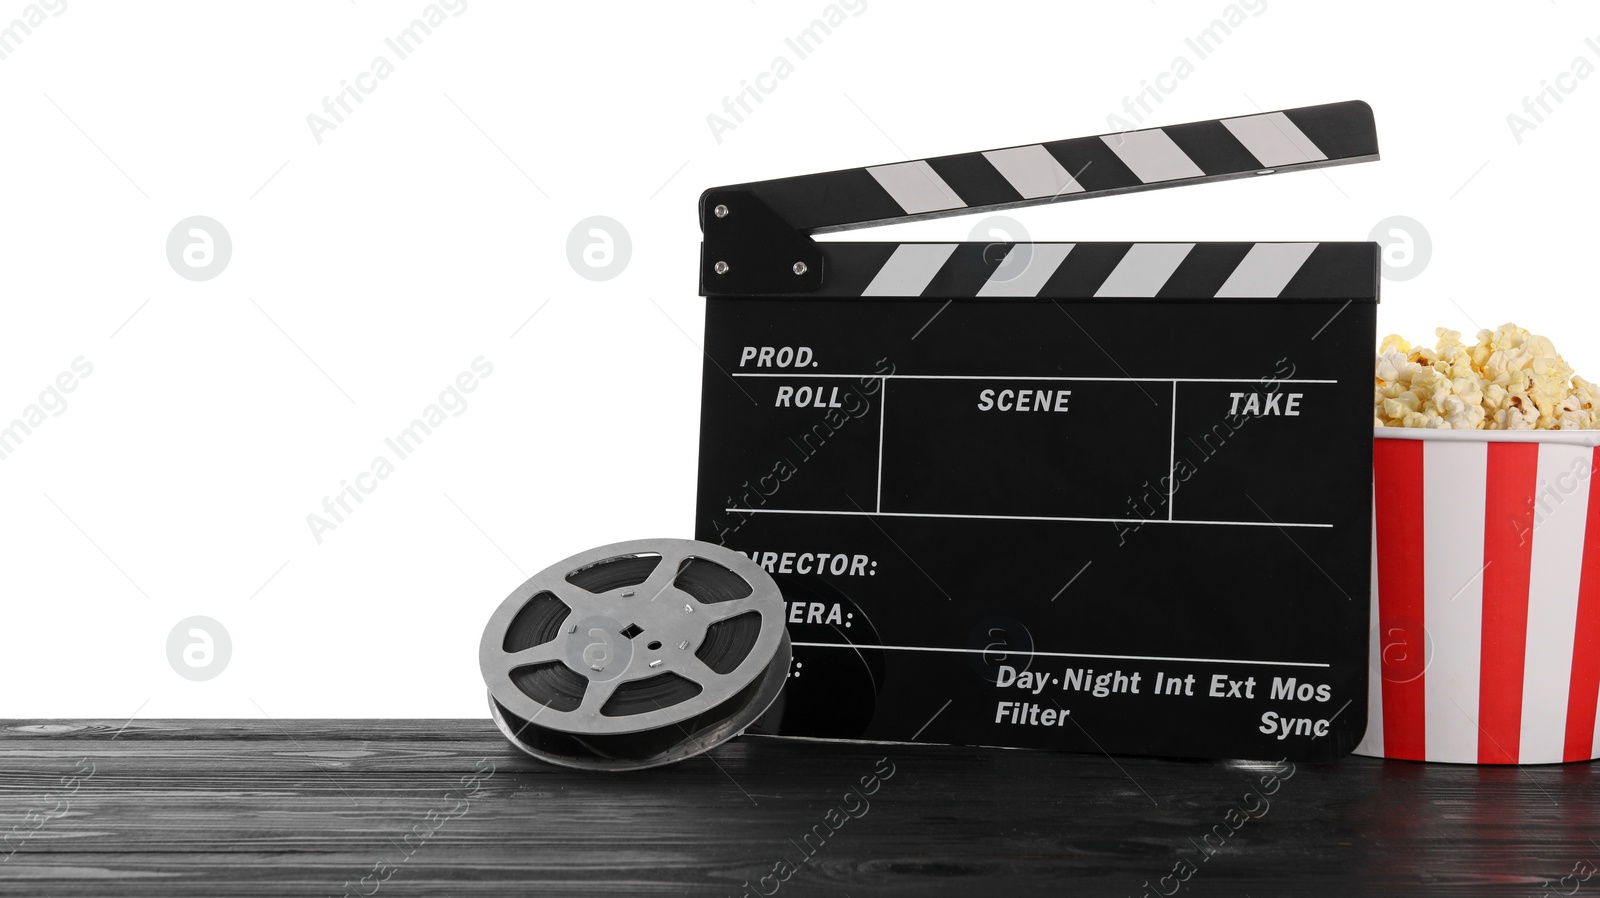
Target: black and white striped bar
1308, 137
1103, 271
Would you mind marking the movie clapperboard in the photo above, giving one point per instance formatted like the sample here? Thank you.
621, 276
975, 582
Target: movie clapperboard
1088, 496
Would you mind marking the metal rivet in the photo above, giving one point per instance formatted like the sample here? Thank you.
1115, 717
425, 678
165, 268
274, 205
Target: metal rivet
684, 644
800, 268
689, 608
721, 211
720, 268
627, 594
596, 667
572, 628
656, 663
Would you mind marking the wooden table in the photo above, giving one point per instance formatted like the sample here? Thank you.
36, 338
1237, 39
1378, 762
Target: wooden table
397, 807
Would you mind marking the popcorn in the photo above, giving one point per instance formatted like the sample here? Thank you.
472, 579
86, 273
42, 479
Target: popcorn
1510, 380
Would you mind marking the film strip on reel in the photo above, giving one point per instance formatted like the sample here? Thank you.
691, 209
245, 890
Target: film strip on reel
635, 654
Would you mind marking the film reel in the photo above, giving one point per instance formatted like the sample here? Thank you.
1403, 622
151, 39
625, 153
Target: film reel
635, 654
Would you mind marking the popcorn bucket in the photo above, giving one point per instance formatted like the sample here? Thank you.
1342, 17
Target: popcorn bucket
1485, 639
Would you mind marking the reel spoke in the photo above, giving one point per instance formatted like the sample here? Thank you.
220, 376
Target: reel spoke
724, 610
692, 668
595, 697
550, 651
580, 600
659, 588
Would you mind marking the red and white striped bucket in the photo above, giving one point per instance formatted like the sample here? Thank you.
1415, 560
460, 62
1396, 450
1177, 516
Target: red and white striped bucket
1485, 596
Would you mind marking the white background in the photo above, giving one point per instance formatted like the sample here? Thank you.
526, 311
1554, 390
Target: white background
371, 268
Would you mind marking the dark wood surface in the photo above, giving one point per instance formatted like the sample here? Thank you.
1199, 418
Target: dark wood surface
312, 807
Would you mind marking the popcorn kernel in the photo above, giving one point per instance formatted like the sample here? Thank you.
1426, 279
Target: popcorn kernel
1510, 379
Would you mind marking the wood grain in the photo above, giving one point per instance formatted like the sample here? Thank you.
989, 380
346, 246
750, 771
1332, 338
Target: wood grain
310, 807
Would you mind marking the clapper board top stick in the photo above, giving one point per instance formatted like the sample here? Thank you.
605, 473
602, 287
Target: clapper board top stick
1102, 497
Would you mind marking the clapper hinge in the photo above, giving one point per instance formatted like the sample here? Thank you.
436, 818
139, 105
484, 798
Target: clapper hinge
750, 251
